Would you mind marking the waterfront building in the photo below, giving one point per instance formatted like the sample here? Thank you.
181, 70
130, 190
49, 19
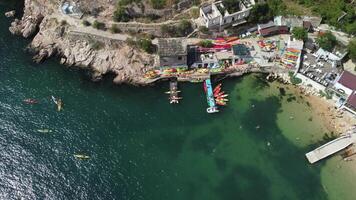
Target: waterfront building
172, 52
270, 29
309, 23
217, 14
345, 89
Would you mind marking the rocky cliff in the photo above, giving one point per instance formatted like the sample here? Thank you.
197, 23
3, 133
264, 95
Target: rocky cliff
101, 55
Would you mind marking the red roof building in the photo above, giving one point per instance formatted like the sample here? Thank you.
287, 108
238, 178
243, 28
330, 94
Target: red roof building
348, 80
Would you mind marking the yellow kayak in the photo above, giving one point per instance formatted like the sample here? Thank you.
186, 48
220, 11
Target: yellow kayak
81, 156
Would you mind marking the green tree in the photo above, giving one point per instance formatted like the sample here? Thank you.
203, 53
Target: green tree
352, 49
260, 13
158, 4
326, 41
276, 7
86, 23
146, 45
206, 43
98, 25
300, 33
120, 15
184, 28
115, 29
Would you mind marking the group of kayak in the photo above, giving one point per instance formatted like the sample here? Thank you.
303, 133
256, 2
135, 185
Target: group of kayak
220, 96
58, 102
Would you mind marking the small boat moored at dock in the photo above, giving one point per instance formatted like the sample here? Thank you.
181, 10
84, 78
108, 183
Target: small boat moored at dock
210, 97
173, 92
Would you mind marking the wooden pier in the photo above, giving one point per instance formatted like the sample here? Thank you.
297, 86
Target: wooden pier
332, 147
174, 92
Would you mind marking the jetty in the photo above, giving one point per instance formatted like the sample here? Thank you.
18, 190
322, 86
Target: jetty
210, 97
331, 147
173, 92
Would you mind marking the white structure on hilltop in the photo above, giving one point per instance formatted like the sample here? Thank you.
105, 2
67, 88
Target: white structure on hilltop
216, 15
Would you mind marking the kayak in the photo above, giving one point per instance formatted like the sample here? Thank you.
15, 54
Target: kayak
221, 103
169, 92
59, 105
54, 99
44, 130
218, 87
81, 156
217, 91
58, 102
30, 101
220, 94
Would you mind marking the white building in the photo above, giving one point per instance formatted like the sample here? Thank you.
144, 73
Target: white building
334, 59
216, 15
345, 85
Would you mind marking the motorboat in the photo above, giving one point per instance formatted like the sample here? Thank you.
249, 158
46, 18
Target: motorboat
212, 110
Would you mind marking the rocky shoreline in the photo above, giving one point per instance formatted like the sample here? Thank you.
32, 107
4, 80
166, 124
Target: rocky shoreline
99, 55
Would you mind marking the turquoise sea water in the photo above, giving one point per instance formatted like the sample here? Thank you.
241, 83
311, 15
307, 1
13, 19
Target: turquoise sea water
141, 147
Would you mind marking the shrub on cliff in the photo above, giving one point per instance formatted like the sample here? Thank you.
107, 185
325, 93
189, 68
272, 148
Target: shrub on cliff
206, 43
293, 79
352, 49
86, 23
300, 33
99, 25
146, 45
64, 22
96, 45
120, 15
326, 41
184, 27
158, 4
115, 29
204, 29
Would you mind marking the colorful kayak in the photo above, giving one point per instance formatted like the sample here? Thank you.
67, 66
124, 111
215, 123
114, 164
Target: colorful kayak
221, 103
30, 101
81, 156
218, 87
219, 94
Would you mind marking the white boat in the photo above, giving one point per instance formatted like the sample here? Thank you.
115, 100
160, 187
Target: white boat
212, 110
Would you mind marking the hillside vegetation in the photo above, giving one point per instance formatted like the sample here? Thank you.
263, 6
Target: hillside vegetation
332, 11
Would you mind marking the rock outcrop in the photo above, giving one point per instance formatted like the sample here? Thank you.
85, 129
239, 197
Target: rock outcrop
100, 55
10, 13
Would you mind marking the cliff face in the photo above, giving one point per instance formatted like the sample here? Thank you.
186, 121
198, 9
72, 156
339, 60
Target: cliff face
101, 55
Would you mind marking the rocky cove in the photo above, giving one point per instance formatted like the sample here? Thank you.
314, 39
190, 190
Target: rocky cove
101, 55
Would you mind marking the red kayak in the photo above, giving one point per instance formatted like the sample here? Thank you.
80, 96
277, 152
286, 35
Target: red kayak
218, 87
30, 101
219, 94
217, 91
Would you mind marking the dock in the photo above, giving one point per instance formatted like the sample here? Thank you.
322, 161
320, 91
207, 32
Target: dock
331, 147
210, 97
173, 92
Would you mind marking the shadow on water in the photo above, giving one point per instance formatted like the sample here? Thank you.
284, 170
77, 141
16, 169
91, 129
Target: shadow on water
244, 182
286, 158
208, 141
